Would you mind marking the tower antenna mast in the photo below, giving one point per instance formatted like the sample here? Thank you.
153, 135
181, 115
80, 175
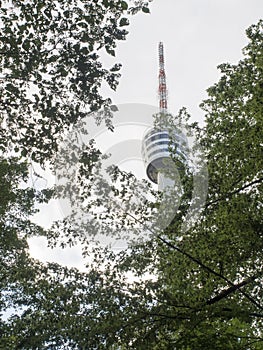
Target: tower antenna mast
162, 82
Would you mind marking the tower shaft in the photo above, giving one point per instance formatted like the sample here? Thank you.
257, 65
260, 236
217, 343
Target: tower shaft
162, 82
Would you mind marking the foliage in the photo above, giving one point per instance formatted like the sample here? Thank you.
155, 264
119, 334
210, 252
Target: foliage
205, 285
50, 77
200, 289
51, 71
210, 277
208, 287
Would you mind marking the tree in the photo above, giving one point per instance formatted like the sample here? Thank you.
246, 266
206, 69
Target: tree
205, 285
209, 291
50, 76
51, 72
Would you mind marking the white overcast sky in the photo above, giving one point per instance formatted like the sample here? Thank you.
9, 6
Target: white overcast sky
197, 36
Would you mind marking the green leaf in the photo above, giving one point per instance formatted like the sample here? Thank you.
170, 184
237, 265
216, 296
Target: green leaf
115, 68
24, 152
110, 51
26, 45
124, 22
124, 5
145, 9
114, 108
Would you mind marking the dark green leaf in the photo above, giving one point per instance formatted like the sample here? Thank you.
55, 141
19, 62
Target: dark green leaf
145, 9
124, 22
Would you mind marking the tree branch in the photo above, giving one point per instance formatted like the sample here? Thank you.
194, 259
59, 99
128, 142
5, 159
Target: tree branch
197, 261
225, 292
234, 192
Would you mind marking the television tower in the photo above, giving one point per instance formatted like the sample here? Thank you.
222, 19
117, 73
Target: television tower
156, 141
162, 82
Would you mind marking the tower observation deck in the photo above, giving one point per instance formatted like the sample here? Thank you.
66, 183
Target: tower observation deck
156, 143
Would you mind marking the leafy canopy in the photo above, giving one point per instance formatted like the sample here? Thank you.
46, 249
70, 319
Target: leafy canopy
51, 71
204, 287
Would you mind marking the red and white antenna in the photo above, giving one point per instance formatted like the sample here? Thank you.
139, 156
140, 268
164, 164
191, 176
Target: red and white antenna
162, 82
